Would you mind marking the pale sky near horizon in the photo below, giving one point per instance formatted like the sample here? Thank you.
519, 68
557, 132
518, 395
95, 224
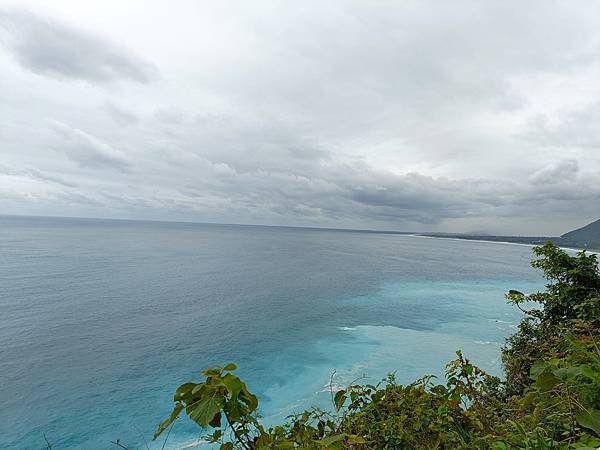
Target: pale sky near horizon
462, 116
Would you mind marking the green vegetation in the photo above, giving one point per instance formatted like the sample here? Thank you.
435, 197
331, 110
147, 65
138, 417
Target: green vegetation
550, 398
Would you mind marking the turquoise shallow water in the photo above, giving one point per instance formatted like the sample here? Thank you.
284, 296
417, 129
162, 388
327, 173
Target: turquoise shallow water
101, 320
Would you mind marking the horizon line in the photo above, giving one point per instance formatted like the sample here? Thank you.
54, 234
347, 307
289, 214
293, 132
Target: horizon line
358, 230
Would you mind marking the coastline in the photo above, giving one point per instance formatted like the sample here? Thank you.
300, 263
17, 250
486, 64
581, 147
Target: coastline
494, 241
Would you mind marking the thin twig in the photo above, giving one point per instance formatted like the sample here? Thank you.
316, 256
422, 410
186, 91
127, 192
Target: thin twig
119, 444
167, 438
48, 444
581, 406
331, 386
237, 436
143, 437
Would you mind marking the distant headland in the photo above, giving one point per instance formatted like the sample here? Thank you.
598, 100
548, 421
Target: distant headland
586, 237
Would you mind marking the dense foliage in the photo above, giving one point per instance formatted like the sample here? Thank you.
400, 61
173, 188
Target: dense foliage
549, 399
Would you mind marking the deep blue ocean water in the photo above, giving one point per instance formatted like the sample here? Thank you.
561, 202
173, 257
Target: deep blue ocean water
101, 320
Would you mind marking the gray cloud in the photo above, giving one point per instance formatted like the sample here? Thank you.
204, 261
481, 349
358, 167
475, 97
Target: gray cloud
576, 128
87, 150
563, 171
171, 116
47, 47
36, 174
121, 116
454, 116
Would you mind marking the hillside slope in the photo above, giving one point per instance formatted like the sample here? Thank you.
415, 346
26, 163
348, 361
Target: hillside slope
587, 237
584, 237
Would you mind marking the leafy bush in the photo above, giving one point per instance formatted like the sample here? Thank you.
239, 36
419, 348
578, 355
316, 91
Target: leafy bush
549, 399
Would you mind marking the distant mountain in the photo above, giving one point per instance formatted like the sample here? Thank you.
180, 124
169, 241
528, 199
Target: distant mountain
587, 237
584, 237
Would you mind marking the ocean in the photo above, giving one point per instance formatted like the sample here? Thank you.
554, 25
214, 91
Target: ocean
101, 320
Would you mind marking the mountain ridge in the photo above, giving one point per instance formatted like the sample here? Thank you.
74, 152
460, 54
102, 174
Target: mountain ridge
586, 237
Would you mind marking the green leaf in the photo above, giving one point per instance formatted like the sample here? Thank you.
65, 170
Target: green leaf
589, 419
468, 369
249, 399
567, 373
230, 367
227, 446
212, 438
529, 397
589, 373
201, 387
233, 384
207, 408
498, 445
212, 372
546, 381
332, 440
184, 391
165, 423
537, 368
339, 399
353, 439
515, 296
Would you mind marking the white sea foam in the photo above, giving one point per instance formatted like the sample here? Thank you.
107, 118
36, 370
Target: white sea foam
332, 387
195, 444
451, 238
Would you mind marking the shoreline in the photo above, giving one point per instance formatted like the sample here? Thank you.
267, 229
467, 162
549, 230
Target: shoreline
457, 238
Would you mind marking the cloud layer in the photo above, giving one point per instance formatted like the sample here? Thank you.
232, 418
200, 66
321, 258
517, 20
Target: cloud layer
47, 47
466, 116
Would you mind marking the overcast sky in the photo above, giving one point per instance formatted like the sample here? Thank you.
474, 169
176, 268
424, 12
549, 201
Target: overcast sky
443, 115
